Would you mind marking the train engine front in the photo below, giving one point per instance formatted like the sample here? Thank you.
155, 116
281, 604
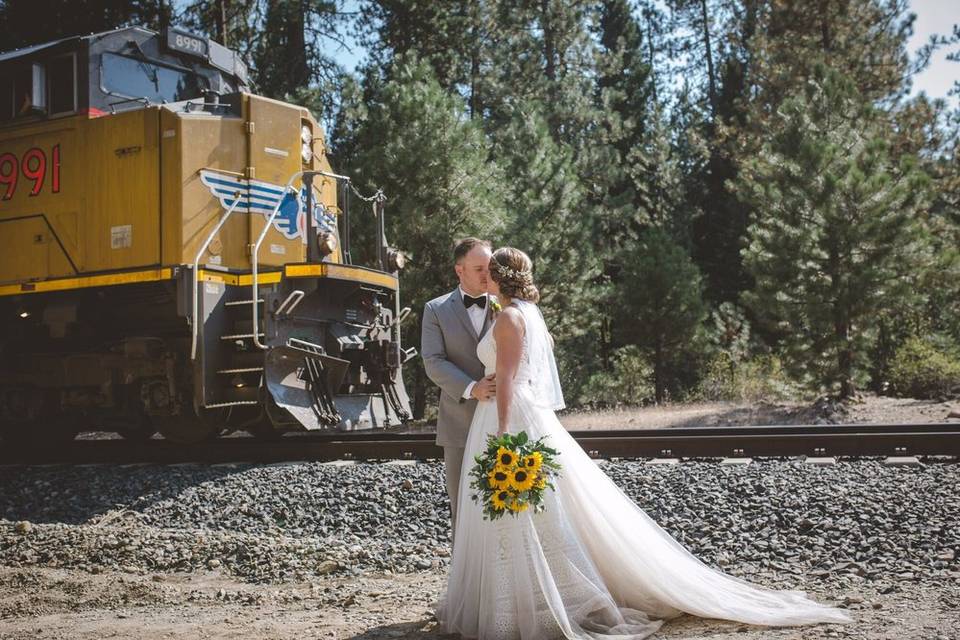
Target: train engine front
175, 253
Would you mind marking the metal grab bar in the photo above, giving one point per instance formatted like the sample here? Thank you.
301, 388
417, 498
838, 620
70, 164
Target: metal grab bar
255, 256
196, 276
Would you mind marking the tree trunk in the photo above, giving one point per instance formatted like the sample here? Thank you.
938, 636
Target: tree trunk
706, 45
221, 22
549, 47
419, 394
845, 359
297, 47
658, 383
826, 39
474, 72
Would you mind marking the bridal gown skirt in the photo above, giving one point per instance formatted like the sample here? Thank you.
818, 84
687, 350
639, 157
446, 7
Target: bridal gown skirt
591, 565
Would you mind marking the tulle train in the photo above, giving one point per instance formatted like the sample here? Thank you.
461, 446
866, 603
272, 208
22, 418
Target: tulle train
592, 565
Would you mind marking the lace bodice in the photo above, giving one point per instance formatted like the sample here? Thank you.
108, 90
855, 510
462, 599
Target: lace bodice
487, 352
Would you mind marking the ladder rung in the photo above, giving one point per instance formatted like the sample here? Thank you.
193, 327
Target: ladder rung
239, 336
243, 370
237, 303
220, 405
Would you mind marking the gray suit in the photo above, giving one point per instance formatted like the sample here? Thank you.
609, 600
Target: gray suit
449, 347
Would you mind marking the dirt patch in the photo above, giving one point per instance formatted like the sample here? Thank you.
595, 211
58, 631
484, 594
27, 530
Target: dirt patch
48, 604
865, 409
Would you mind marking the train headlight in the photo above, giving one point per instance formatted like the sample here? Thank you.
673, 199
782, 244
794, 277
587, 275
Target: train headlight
326, 242
306, 144
395, 259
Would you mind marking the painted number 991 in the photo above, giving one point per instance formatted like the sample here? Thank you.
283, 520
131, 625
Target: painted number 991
34, 166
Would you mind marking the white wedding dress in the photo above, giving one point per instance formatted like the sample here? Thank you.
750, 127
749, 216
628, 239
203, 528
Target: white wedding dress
592, 564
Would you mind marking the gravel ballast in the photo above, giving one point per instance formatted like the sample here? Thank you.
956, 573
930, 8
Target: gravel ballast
783, 523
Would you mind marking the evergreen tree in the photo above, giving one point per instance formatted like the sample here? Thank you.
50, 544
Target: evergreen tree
27, 22
662, 297
288, 59
835, 239
237, 24
409, 137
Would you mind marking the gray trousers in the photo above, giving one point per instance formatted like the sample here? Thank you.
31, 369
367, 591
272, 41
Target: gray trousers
452, 464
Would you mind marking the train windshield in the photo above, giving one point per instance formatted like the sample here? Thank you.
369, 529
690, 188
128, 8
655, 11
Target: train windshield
134, 78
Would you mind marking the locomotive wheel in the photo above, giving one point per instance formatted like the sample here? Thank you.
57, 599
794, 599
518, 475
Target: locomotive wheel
138, 433
190, 428
263, 428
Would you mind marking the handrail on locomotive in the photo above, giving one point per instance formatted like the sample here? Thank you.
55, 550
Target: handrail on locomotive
307, 177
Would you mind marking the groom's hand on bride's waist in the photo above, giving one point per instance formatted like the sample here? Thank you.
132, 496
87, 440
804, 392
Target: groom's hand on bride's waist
485, 388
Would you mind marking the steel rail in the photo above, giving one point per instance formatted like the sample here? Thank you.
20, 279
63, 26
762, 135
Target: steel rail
938, 439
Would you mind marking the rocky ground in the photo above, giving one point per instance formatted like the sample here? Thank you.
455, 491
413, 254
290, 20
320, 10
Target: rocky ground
361, 550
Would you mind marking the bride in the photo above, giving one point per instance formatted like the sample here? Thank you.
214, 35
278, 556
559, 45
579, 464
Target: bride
592, 564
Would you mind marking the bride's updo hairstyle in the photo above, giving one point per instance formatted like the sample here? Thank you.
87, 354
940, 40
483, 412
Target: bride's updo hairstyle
512, 270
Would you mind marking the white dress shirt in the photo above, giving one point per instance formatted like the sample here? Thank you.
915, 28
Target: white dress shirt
477, 316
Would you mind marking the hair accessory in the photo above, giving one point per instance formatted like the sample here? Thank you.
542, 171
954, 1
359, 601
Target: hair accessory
510, 273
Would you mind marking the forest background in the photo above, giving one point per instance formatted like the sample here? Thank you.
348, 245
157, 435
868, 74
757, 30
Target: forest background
725, 199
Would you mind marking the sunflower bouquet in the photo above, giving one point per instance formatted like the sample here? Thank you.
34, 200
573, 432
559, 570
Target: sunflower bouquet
512, 475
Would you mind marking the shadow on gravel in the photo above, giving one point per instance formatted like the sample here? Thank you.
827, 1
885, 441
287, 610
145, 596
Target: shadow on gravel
421, 629
78, 495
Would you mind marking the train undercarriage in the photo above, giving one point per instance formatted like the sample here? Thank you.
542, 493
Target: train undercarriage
317, 350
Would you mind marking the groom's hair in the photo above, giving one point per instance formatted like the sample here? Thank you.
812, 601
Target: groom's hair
466, 245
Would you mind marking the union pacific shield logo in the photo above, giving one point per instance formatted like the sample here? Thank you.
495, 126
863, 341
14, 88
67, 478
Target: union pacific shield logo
259, 197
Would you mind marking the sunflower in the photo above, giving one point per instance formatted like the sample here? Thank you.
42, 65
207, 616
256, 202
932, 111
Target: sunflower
518, 507
498, 478
541, 483
506, 457
532, 461
521, 479
499, 500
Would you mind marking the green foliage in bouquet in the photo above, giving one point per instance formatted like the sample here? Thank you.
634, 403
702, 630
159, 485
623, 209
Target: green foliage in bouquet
513, 474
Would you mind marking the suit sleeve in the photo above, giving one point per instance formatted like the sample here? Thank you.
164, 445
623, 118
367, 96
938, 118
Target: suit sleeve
441, 371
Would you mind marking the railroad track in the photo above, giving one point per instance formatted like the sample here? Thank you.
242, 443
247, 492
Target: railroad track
821, 441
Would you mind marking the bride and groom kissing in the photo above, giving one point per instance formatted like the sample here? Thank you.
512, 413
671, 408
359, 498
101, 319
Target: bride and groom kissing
592, 564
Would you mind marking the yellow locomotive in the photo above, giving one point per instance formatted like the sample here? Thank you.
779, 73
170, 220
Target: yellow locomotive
175, 252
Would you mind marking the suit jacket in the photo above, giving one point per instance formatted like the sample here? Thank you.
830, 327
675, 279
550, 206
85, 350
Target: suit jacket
449, 346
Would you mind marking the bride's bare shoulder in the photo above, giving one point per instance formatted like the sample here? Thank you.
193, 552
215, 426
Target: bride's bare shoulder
510, 320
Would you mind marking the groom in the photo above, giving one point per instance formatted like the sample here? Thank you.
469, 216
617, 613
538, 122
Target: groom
452, 326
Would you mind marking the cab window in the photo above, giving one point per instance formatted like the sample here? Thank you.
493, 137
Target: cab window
134, 78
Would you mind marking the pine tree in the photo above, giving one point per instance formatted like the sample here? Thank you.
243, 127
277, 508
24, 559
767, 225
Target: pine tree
409, 137
661, 295
27, 22
835, 239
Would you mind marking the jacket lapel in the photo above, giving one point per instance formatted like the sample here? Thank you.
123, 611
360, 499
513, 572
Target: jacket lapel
456, 301
487, 318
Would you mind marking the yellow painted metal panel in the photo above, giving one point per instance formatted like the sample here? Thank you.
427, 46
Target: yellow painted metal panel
325, 187
275, 156
340, 272
213, 142
103, 280
171, 189
238, 279
32, 250
120, 160
42, 173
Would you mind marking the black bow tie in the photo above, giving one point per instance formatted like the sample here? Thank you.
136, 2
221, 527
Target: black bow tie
480, 301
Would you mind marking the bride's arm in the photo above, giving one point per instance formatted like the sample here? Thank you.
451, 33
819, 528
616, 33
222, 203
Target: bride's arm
508, 332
